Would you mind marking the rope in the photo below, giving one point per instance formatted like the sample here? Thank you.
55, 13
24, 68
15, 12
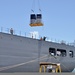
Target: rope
33, 6
17, 65
39, 5
59, 61
41, 58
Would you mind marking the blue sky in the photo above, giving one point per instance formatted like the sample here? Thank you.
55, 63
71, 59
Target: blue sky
58, 17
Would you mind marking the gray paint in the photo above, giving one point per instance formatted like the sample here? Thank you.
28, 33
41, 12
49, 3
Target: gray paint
17, 49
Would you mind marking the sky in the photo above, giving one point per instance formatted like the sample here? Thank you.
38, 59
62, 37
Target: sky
58, 17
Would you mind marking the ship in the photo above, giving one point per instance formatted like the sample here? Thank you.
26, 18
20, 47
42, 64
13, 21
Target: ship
23, 54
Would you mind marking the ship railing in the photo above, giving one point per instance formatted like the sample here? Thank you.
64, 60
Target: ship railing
15, 32
30, 35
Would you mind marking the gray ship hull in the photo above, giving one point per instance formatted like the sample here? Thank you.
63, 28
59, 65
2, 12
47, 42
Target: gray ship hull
22, 54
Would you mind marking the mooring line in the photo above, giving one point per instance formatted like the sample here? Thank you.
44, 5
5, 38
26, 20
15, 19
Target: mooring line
17, 65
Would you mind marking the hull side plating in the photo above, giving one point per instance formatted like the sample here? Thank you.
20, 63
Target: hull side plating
22, 54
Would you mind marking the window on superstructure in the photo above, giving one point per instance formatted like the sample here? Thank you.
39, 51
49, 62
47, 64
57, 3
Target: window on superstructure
71, 54
61, 52
52, 51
